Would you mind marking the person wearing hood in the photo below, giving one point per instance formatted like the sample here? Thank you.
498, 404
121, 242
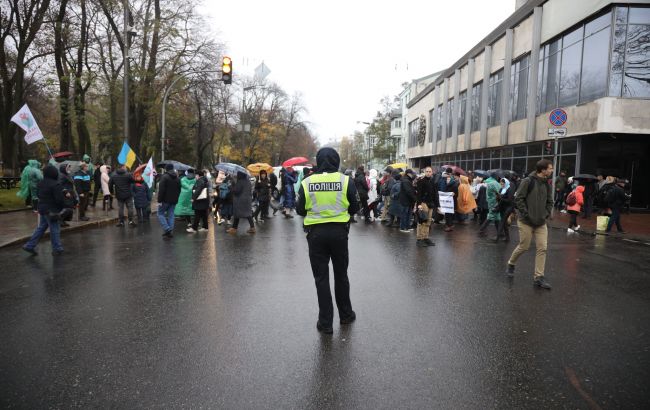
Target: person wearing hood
327, 199
506, 207
465, 202
50, 205
492, 193
200, 202
169, 189
141, 199
361, 185
534, 202
407, 199
288, 178
395, 209
480, 193
106, 190
373, 194
29, 180
184, 206
615, 200
82, 186
122, 184
242, 203
70, 196
385, 186
263, 192
577, 199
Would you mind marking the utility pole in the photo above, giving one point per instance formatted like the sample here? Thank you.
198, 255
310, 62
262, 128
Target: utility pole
126, 68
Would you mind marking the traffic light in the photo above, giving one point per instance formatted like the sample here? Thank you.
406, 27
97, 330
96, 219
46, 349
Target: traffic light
226, 70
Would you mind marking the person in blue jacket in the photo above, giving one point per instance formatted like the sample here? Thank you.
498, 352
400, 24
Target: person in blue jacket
141, 200
288, 192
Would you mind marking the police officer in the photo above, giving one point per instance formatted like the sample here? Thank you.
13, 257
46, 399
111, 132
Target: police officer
326, 199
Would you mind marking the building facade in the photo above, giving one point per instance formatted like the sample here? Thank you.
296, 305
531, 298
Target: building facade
490, 109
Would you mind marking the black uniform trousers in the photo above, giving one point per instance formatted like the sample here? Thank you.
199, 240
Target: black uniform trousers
330, 241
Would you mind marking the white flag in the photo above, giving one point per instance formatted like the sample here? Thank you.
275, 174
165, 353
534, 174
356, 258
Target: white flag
149, 174
26, 121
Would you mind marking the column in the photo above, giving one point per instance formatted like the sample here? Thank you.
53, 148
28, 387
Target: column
506, 86
445, 102
531, 107
487, 66
455, 114
468, 105
434, 123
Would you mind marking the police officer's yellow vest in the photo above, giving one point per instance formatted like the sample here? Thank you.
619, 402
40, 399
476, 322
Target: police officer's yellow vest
326, 198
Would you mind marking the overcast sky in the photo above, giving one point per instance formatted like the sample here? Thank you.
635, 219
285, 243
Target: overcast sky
344, 56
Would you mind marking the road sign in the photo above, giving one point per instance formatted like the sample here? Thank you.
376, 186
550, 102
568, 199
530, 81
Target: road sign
557, 132
558, 117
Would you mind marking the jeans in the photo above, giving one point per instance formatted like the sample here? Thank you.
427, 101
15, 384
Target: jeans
615, 218
166, 216
55, 233
405, 218
129, 208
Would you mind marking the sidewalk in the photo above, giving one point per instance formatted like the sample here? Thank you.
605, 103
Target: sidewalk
637, 226
17, 227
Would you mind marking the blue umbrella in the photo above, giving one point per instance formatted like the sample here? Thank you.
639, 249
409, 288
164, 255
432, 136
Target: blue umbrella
230, 168
178, 166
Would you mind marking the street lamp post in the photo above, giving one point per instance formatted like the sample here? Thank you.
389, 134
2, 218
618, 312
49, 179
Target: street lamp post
125, 56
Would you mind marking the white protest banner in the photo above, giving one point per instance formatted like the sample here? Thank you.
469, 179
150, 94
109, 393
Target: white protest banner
26, 121
446, 202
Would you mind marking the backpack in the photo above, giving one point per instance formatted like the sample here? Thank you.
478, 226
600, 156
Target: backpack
224, 190
571, 199
396, 190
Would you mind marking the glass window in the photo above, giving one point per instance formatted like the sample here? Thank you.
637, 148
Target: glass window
519, 151
506, 153
495, 163
598, 24
450, 117
519, 166
476, 107
506, 163
462, 100
567, 163
572, 37
551, 76
414, 127
519, 88
639, 15
569, 147
593, 81
494, 99
636, 82
570, 75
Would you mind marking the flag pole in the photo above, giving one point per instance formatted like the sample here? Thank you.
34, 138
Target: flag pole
48, 147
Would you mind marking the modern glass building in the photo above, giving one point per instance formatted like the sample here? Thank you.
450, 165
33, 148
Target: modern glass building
491, 108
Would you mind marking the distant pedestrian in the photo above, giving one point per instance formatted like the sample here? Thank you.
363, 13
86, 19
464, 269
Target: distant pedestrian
263, 193
50, 194
97, 182
242, 203
534, 204
574, 202
288, 192
385, 186
395, 209
506, 208
492, 193
169, 189
465, 202
407, 199
184, 206
29, 180
616, 201
69, 193
141, 199
480, 193
121, 183
560, 186
428, 203
361, 185
107, 202
82, 185
200, 203
449, 183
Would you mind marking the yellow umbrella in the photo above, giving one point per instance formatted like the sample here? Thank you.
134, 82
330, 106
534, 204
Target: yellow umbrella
396, 165
255, 169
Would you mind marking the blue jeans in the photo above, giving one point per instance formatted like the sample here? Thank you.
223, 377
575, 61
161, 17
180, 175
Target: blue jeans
615, 218
166, 216
55, 233
405, 218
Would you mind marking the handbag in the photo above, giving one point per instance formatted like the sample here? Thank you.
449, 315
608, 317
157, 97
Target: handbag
423, 216
203, 194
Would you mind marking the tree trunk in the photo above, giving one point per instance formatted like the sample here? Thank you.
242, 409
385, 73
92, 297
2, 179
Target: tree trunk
80, 91
65, 138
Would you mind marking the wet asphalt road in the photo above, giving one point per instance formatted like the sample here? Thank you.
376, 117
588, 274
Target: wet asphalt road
127, 320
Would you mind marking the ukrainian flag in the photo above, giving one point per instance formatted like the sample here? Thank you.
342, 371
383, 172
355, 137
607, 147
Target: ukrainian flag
127, 155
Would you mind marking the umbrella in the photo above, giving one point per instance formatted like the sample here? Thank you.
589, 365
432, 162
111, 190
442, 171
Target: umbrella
401, 165
62, 154
498, 172
137, 173
454, 169
481, 173
230, 168
260, 166
585, 177
178, 166
294, 161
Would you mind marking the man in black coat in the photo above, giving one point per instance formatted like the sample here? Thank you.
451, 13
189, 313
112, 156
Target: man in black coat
407, 199
82, 185
50, 204
362, 188
428, 202
169, 189
616, 201
97, 181
122, 184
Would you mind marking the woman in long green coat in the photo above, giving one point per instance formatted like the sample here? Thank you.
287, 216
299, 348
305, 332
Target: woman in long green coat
494, 216
184, 206
29, 180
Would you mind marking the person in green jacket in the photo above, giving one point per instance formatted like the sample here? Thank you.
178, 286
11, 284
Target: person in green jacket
29, 180
183, 208
492, 191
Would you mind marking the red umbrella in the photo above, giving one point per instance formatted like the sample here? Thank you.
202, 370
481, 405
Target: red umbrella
454, 169
139, 171
294, 161
63, 154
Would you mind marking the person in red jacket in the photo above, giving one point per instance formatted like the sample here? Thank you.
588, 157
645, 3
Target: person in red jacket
574, 210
